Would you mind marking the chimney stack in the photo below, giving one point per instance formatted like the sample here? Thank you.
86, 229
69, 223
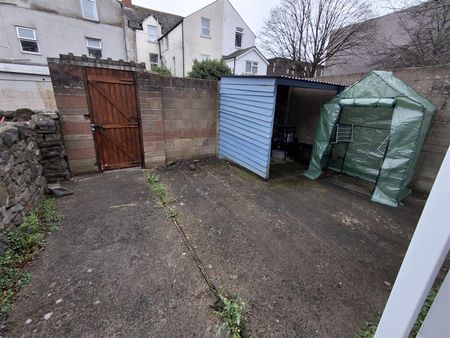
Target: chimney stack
127, 3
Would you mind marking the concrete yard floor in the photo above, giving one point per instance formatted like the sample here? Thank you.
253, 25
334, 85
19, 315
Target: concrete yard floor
311, 259
117, 267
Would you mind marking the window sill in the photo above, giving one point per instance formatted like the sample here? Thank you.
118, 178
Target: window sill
34, 53
91, 20
205, 36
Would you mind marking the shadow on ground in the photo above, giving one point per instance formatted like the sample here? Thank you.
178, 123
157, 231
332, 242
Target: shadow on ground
312, 259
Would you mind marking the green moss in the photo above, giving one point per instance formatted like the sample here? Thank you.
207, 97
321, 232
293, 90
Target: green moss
24, 242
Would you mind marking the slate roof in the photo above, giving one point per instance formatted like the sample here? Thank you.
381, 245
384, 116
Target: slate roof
237, 53
138, 14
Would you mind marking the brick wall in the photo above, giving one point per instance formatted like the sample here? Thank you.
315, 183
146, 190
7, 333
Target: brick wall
178, 116
433, 83
69, 88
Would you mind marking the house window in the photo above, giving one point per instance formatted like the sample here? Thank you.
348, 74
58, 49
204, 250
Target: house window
205, 57
238, 37
94, 47
251, 67
28, 40
174, 66
166, 42
152, 33
206, 27
153, 61
89, 9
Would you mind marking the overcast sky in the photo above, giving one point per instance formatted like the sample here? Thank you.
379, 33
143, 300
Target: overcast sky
252, 11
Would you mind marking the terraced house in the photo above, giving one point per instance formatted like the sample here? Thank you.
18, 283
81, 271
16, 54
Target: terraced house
32, 30
216, 31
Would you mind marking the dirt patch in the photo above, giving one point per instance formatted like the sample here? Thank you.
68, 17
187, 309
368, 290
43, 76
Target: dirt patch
310, 259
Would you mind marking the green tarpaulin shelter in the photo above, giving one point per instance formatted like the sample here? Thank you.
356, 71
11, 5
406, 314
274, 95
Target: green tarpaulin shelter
373, 130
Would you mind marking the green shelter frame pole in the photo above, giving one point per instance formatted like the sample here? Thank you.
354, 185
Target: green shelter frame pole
381, 167
343, 159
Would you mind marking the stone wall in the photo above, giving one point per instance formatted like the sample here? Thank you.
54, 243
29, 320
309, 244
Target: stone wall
47, 127
21, 179
433, 83
178, 116
50, 142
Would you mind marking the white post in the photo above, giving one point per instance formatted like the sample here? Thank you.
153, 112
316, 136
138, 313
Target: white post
437, 323
423, 260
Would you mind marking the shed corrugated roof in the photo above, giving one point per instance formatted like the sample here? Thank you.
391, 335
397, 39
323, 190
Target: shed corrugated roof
138, 14
287, 77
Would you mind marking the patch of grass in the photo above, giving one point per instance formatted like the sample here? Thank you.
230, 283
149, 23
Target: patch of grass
231, 311
164, 196
24, 242
368, 331
370, 328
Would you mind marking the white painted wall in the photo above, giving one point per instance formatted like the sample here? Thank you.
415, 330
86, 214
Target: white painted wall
175, 50
60, 29
143, 45
195, 44
30, 89
241, 61
231, 20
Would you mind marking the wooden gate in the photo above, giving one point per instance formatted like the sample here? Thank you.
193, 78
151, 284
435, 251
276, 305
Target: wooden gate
115, 118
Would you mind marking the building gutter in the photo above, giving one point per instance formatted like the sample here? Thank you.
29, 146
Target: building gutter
24, 69
182, 46
124, 25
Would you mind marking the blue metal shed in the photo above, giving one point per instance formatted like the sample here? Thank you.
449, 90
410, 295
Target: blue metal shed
247, 111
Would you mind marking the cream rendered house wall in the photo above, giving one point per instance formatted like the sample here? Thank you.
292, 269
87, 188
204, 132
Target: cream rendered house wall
60, 29
195, 44
172, 57
144, 46
238, 65
231, 20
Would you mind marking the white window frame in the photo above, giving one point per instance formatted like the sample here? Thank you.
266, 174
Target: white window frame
94, 47
34, 39
95, 18
150, 37
153, 64
252, 64
166, 42
205, 57
240, 31
208, 27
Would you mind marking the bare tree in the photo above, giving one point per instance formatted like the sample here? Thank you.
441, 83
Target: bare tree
426, 31
311, 32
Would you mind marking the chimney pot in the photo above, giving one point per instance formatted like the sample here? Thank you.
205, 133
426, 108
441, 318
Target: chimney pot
127, 3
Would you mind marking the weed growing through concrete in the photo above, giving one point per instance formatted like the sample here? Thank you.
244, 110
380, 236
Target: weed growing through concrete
229, 309
370, 328
24, 242
163, 195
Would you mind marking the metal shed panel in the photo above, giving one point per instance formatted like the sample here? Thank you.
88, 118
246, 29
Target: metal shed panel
247, 108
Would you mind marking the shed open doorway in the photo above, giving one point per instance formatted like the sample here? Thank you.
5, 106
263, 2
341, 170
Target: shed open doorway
297, 113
